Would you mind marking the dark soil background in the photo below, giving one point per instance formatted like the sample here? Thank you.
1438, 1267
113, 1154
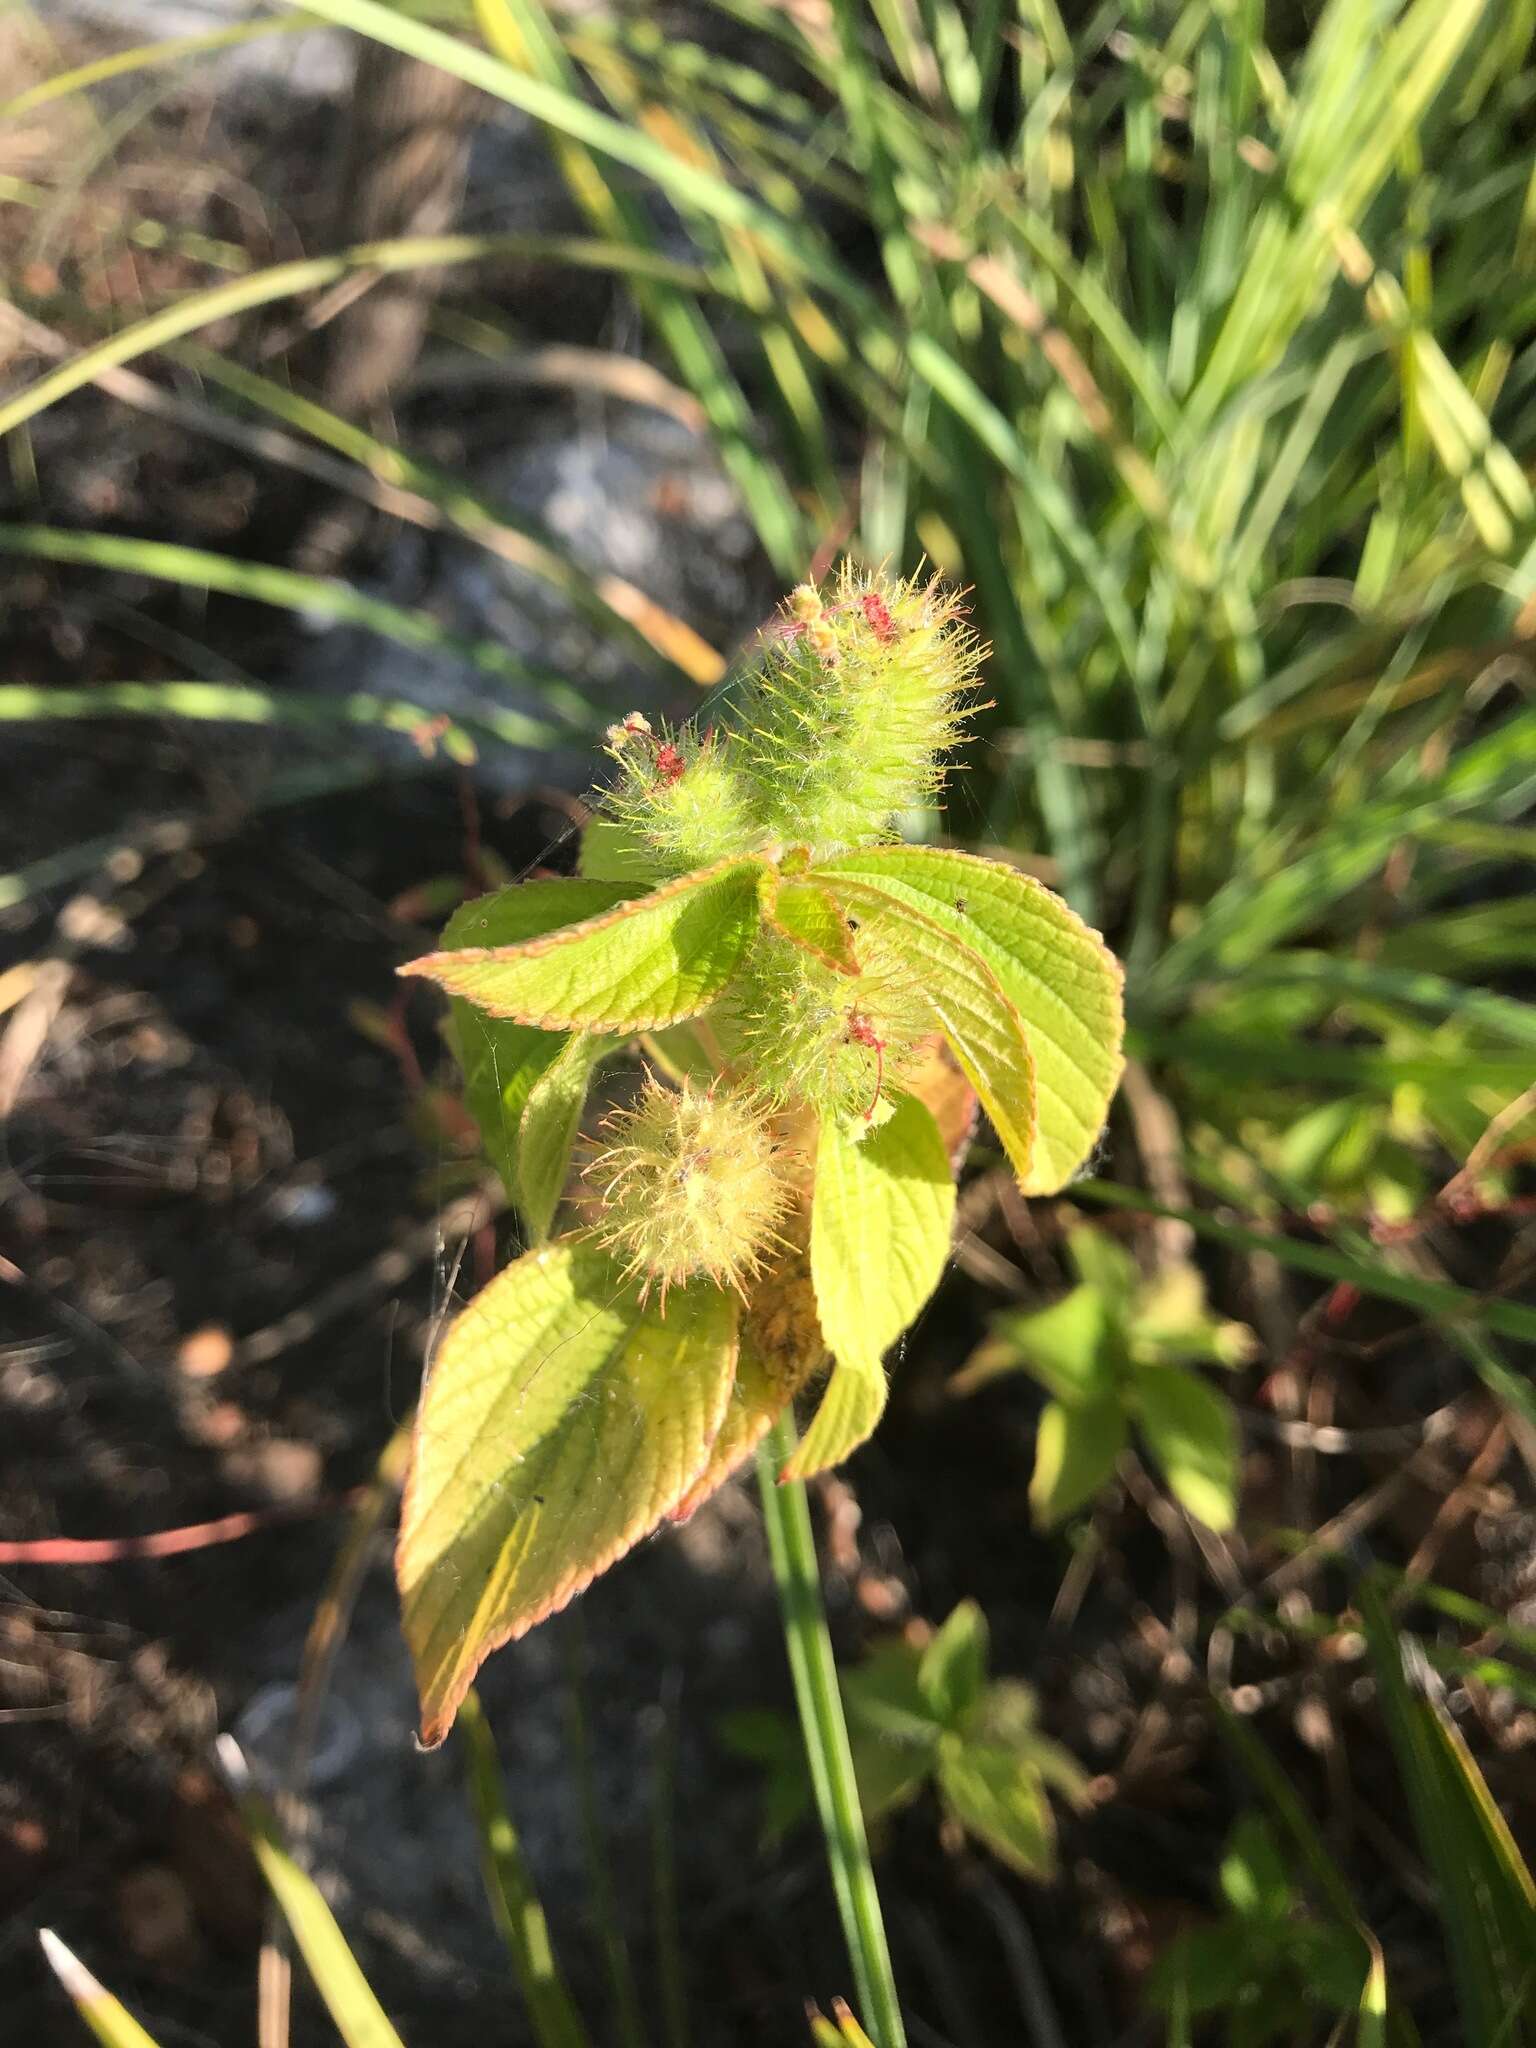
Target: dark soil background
228, 1154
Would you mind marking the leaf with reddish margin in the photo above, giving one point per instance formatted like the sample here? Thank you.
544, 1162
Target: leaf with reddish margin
650, 961
809, 918
562, 1420
1058, 973
966, 1001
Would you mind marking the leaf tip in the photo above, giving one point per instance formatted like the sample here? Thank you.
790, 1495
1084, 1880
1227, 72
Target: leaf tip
231, 1758
76, 1979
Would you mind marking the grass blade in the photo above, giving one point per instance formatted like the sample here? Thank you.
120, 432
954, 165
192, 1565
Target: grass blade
1486, 1898
314, 597
238, 704
144, 57
110, 2021
196, 310
606, 600
528, 48
1430, 1297
360, 2019
509, 1884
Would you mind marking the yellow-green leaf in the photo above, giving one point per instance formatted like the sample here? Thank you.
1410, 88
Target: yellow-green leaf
757, 1400
850, 1407
881, 1219
808, 917
967, 1003
502, 1061
1076, 1450
562, 1420
548, 1130
1060, 976
649, 961
1192, 1433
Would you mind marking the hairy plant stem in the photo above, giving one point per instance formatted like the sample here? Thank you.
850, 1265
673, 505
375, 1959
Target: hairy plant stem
797, 1575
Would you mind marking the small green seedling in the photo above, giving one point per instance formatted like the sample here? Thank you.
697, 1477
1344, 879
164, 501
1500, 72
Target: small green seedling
1113, 1353
819, 1011
1264, 1960
930, 1715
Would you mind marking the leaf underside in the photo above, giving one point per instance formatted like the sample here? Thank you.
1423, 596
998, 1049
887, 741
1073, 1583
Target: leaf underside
547, 1129
1060, 976
968, 1005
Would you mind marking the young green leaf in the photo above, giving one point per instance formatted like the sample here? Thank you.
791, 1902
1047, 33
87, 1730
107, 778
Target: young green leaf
953, 1671
1193, 1436
1254, 1880
995, 1794
1075, 1348
1170, 1320
1076, 1450
1059, 975
1104, 1265
807, 915
563, 1418
650, 961
531, 910
886, 1697
766, 1738
880, 1228
967, 1003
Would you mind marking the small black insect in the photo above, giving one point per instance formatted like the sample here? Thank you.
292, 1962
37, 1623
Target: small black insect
960, 903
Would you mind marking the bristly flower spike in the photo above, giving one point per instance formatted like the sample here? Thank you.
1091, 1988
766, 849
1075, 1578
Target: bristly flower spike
846, 722
689, 1184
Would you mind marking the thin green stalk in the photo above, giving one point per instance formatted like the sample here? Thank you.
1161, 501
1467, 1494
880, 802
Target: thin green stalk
629, 2027
797, 1574
670, 1969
